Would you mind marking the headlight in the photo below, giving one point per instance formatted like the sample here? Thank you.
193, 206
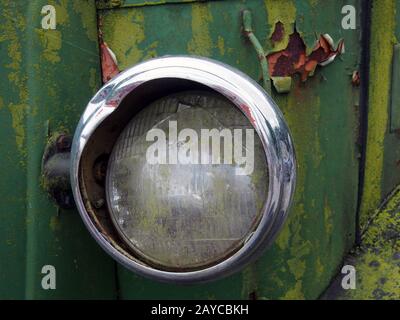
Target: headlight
153, 189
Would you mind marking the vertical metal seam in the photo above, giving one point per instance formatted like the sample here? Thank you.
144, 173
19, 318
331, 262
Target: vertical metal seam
99, 41
366, 8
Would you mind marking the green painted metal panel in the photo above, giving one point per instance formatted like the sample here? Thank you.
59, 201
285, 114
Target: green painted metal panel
47, 78
321, 112
391, 172
50, 75
382, 172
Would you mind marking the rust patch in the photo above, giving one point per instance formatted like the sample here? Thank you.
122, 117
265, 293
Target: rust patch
294, 58
277, 35
109, 65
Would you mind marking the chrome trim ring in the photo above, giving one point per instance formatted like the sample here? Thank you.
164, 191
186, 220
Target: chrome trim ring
258, 107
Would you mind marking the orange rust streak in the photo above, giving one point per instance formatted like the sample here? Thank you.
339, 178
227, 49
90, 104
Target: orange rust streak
108, 65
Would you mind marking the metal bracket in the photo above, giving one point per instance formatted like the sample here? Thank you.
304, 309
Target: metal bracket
248, 31
55, 170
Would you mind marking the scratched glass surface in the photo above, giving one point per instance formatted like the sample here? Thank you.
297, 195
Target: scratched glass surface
186, 216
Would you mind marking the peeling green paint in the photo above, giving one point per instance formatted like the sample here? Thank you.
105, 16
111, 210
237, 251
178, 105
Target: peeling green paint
126, 46
283, 11
282, 84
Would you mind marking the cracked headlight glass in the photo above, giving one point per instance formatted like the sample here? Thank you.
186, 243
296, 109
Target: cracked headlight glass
186, 181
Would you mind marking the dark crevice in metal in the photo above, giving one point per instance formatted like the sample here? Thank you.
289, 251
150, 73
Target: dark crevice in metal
366, 8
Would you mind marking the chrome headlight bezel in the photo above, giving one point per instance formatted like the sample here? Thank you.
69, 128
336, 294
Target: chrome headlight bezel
258, 107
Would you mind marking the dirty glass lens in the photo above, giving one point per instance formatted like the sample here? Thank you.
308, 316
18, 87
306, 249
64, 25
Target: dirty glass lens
186, 182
